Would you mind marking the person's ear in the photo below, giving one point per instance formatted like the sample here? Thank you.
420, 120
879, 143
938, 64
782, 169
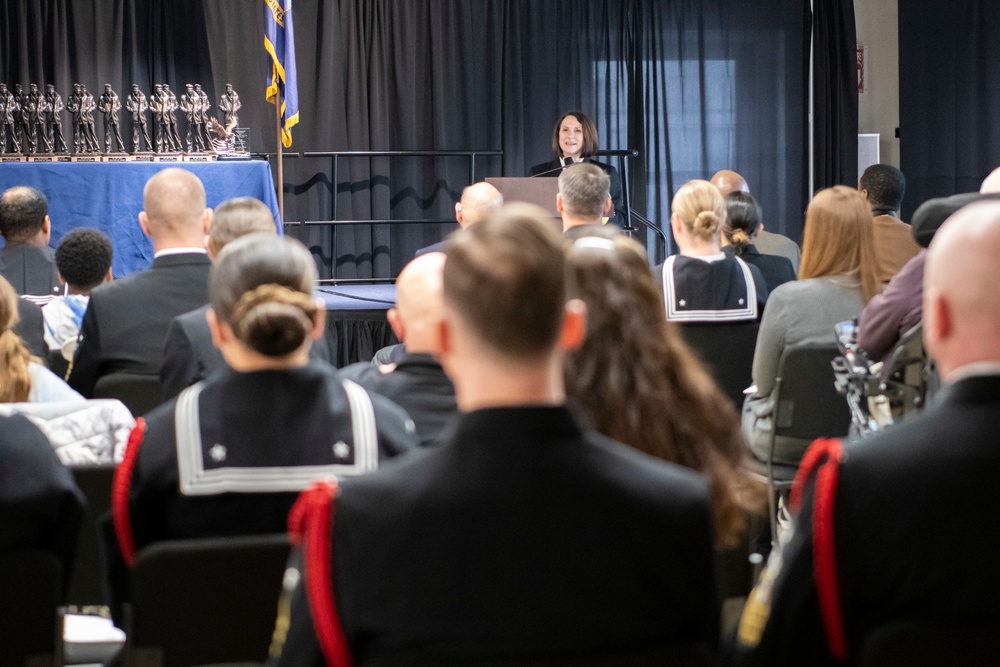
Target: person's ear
458, 212
319, 320
760, 228
47, 226
397, 324
937, 318
574, 326
221, 332
675, 224
206, 220
109, 276
144, 224
559, 203
609, 207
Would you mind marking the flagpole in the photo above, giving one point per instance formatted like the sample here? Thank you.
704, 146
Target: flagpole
281, 169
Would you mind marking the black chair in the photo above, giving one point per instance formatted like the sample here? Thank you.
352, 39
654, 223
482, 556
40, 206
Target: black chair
85, 579
727, 351
926, 643
807, 407
31, 589
140, 392
207, 601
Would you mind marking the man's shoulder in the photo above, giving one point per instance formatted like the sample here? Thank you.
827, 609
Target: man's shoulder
193, 319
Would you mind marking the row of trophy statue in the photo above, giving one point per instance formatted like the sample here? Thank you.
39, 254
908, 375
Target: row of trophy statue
31, 123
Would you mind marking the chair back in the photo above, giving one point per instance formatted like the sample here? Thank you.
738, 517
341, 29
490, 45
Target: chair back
808, 405
206, 601
677, 655
140, 392
926, 643
95, 481
31, 585
727, 351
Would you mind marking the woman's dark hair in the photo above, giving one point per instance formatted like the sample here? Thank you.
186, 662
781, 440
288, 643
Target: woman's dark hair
261, 286
589, 134
742, 220
638, 383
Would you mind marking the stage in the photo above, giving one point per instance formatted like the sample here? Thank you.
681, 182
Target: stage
356, 327
108, 197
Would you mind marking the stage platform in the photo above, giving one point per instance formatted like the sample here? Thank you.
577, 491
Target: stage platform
108, 196
356, 327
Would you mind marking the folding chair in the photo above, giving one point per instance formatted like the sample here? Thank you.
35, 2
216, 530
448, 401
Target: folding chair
140, 392
927, 643
727, 350
31, 589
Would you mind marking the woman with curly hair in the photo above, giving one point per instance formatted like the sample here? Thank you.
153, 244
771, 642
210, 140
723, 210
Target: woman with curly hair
636, 381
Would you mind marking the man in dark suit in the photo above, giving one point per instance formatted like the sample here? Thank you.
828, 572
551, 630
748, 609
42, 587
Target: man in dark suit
584, 196
26, 260
188, 352
478, 201
525, 535
416, 381
901, 526
126, 320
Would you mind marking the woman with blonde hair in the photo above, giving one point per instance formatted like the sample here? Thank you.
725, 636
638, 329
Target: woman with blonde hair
838, 275
637, 382
702, 283
23, 379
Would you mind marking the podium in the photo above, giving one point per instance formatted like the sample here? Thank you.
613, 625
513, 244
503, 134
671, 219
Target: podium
538, 191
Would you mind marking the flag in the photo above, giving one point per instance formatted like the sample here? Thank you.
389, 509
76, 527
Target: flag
279, 41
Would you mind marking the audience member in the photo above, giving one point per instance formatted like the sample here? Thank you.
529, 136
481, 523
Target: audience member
574, 141
524, 536
22, 377
40, 505
702, 283
126, 320
84, 261
416, 382
26, 260
837, 277
899, 307
897, 527
229, 455
767, 243
741, 228
188, 353
883, 186
633, 365
478, 201
584, 197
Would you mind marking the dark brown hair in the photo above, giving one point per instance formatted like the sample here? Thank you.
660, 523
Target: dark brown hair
504, 277
742, 219
589, 134
261, 286
638, 383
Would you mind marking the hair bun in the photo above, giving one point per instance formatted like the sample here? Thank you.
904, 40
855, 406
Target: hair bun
706, 223
273, 320
739, 238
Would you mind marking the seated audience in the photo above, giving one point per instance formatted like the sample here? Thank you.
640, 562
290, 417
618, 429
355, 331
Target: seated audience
126, 320
416, 382
524, 536
767, 243
893, 528
583, 197
636, 381
741, 228
837, 277
40, 505
702, 283
883, 186
188, 353
84, 262
478, 201
230, 454
574, 141
26, 260
22, 376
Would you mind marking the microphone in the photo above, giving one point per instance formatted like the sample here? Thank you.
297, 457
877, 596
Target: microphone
565, 162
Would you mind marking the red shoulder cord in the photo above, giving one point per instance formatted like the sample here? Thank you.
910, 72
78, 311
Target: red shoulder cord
310, 525
824, 458
120, 492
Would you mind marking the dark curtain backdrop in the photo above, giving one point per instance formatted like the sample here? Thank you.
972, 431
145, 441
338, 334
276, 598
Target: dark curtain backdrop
694, 85
949, 96
835, 86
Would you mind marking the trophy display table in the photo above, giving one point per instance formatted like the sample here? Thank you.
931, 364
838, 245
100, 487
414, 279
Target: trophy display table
108, 196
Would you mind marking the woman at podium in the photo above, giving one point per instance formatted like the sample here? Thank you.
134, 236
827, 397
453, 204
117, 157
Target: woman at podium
574, 139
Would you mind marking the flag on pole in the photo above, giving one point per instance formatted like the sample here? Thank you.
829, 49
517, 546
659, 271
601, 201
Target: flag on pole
279, 41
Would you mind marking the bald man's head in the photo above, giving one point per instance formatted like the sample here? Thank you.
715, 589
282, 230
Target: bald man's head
419, 298
991, 184
729, 181
961, 302
174, 213
478, 201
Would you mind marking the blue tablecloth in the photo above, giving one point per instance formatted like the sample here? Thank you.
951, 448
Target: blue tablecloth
108, 196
